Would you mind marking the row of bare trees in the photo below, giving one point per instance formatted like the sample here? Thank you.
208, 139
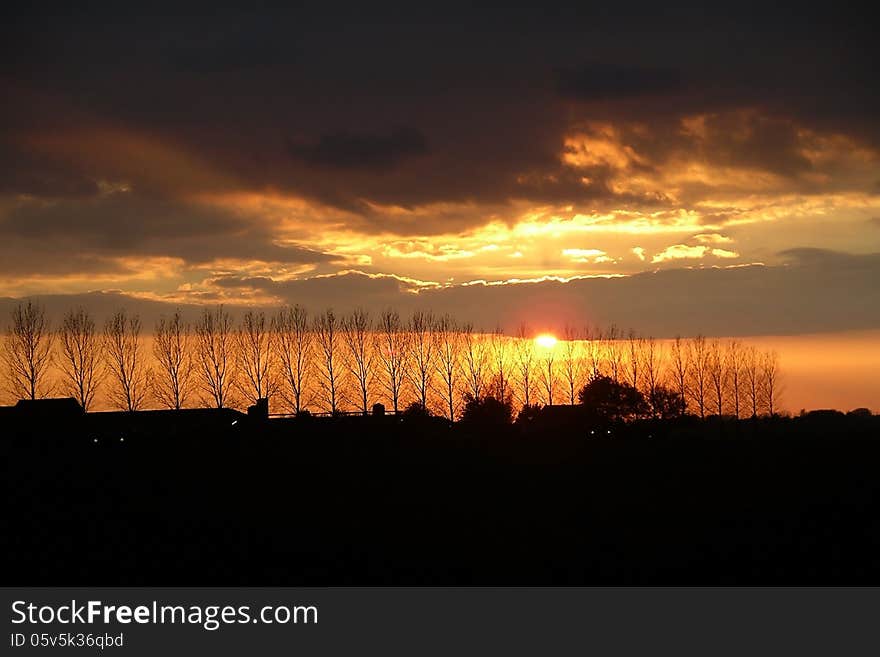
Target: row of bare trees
333, 363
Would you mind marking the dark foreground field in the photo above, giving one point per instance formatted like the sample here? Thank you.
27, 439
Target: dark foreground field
359, 501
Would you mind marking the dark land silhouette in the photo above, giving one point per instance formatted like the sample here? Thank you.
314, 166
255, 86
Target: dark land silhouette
214, 496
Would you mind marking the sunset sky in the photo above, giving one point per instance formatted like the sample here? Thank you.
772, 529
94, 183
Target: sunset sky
677, 170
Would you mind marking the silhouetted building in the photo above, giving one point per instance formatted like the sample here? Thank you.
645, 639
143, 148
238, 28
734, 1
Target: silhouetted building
260, 410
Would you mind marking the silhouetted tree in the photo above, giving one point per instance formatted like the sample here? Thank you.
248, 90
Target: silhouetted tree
770, 385
752, 374
215, 349
356, 333
421, 354
500, 356
666, 403
415, 412
448, 361
681, 367
172, 350
614, 352
81, 356
611, 401
635, 346
735, 374
716, 363
486, 411
594, 351
571, 362
294, 347
391, 349
547, 372
256, 357
28, 351
652, 366
329, 370
125, 362
525, 364
698, 358
474, 355
528, 414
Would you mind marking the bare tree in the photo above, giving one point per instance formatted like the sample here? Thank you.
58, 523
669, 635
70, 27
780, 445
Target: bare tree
421, 360
635, 345
525, 364
215, 348
28, 352
448, 341
614, 351
125, 362
717, 375
652, 362
735, 374
474, 356
547, 373
500, 353
681, 367
594, 351
699, 373
258, 376
172, 350
80, 356
770, 385
571, 362
752, 378
294, 349
330, 371
357, 328
391, 351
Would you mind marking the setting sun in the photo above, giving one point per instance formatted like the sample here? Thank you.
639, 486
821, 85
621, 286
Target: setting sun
546, 341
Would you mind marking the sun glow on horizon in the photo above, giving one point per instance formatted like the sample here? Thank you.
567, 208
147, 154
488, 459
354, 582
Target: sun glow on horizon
546, 340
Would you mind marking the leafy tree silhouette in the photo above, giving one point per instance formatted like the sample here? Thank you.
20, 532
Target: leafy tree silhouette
486, 411
417, 411
612, 401
667, 403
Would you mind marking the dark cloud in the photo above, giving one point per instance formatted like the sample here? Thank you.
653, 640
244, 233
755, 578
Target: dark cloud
34, 174
126, 224
604, 82
347, 150
482, 88
818, 291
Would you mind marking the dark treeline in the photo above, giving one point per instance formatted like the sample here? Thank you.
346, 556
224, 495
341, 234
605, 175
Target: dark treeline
327, 363
213, 497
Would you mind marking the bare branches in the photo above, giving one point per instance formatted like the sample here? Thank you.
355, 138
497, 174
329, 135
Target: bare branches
391, 349
474, 355
448, 341
698, 385
770, 378
571, 362
357, 329
330, 372
126, 365
345, 364
172, 351
294, 346
421, 346
524, 358
80, 358
256, 357
28, 351
215, 348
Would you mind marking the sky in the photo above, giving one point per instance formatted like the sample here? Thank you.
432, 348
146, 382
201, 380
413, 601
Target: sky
704, 168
